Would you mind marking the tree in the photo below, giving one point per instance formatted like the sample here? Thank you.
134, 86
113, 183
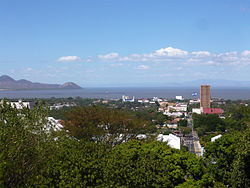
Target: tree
182, 123
207, 123
240, 176
220, 156
96, 123
153, 164
23, 143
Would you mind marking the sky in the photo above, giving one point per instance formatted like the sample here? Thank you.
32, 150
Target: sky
100, 43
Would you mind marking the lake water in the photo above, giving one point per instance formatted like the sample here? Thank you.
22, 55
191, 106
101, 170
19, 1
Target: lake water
170, 93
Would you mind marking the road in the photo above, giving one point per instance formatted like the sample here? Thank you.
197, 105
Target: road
192, 140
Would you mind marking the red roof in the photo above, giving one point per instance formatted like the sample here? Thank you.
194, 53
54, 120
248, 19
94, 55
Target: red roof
212, 111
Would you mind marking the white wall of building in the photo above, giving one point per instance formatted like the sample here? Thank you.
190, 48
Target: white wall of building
172, 140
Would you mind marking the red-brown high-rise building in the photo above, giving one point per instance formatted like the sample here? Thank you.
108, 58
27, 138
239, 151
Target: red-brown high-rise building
205, 96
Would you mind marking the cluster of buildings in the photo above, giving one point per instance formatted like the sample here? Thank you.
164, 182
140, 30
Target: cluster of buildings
20, 104
126, 98
61, 105
177, 110
173, 109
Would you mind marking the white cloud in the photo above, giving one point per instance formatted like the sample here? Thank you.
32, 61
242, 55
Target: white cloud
109, 56
29, 69
116, 65
201, 54
68, 59
226, 57
170, 52
181, 57
142, 67
245, 53
163, 54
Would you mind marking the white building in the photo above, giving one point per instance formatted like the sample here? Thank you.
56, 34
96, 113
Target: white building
53, 124
193, 101
59, 106
197, 110
20, 104
143, 100
178, 108
127, 99
172, 140
172, 126
179, 98
174, 114
215, 137
157, 99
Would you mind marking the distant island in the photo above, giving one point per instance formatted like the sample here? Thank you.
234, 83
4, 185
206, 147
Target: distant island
8, 83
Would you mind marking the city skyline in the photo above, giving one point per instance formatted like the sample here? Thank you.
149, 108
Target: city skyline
132, 43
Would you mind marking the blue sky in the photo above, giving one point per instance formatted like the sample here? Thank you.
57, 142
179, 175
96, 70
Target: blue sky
124, 42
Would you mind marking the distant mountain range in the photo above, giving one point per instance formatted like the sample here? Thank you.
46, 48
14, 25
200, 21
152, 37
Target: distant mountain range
6, 82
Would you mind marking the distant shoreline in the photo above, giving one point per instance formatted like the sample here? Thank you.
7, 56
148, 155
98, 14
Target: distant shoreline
149, 92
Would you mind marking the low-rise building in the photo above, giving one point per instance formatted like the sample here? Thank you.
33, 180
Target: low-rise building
179, 108
163, 104
215, 137
174, 114
143, 100
201, 110
218, 111
156, 99
53, 124
179, 98
61, 105
194, 101
197, 110
127, 99
20, 104
172, 126
172, 140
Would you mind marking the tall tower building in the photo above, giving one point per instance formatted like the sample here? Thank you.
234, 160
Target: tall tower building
205, 96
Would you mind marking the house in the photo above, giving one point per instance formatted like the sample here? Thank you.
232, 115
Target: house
163, 104
172, 140
176, 120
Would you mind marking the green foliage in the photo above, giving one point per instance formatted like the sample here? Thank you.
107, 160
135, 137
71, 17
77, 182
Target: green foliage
32, 156
240, 176
228, 159
185, 130
160, 118
154, 164
97, 123
220, 155
206, 123
182, 123
23, 143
